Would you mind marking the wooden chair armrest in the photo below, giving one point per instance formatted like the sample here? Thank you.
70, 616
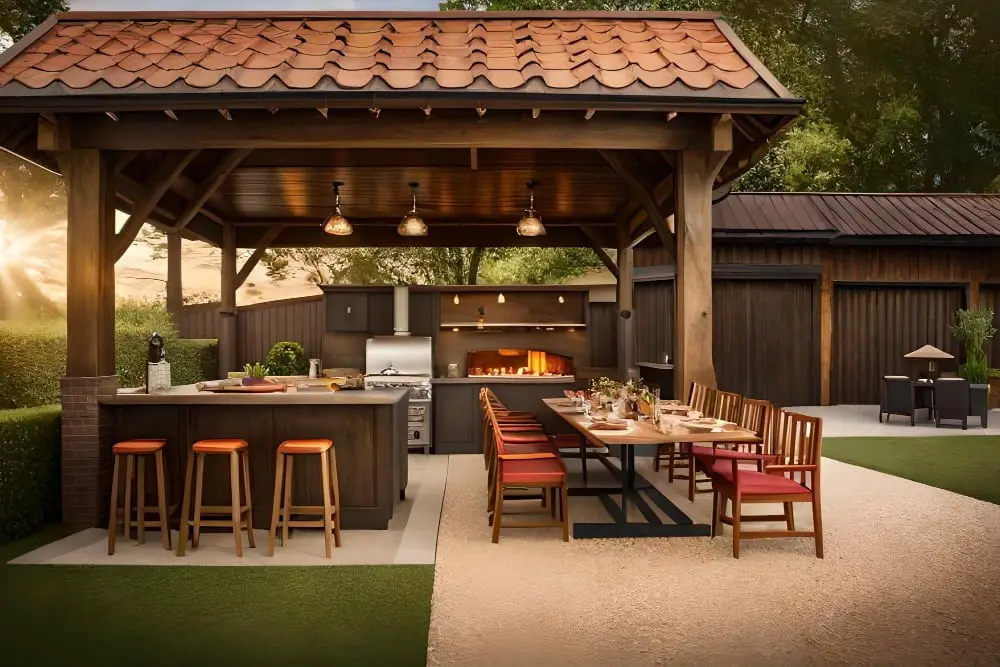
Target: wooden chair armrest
789, 468
528, 457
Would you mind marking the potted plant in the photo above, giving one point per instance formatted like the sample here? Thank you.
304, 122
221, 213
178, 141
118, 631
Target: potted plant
974, 329
255, 374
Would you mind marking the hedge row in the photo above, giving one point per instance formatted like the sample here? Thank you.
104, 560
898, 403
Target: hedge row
29, 470
33, 355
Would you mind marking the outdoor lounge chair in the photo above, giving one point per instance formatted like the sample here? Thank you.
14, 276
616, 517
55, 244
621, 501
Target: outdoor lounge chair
792, 477
898, 398
951, 401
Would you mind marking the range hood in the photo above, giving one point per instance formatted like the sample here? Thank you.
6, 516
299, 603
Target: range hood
401, 310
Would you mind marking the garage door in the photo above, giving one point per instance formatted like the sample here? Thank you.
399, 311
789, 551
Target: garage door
874, 326
654, 320
766, 339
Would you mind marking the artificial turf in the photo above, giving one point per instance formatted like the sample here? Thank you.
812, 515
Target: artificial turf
106, 616
969, 465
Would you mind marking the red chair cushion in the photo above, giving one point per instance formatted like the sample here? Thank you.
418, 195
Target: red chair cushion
529, 448
524, 436
537, 471
757, 483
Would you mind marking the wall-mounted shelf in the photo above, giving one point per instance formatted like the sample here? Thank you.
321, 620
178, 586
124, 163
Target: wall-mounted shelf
514, 325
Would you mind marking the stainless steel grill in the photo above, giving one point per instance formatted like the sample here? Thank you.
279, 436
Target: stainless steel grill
399, 362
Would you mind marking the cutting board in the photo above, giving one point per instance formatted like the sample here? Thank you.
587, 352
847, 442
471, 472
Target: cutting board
249, 389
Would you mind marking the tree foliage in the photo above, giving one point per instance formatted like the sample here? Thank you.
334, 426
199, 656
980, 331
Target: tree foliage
19, 17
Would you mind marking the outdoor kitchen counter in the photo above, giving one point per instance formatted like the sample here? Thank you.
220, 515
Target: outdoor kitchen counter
496, 379
368, 429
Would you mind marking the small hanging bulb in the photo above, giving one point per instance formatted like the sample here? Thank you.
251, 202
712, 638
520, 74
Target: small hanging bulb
500, 298
456, 300
561, 299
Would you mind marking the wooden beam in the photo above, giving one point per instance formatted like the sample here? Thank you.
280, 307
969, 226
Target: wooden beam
301, 129
825, 331
227, 302
474, 158
219, 174
644, 196
175, 285
258, 253
641, 236
602, 254
201, 229
972, 295
626, 316
90, 264
158, 185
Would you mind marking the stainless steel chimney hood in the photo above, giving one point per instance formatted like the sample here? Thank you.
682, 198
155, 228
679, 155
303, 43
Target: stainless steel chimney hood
401, 310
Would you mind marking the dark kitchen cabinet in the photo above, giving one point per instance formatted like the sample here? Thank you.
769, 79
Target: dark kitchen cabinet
347, 311
380, 314
457, 419
423, 314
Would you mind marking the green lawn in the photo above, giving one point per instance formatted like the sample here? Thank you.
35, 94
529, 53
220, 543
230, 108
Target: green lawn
220, 616
969, 465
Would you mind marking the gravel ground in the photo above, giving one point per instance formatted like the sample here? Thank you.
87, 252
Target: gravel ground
911, 577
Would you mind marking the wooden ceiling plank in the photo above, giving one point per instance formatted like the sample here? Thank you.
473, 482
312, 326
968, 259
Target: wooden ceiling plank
158, 185
219, 174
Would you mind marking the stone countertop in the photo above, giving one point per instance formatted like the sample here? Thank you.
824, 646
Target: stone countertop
650, 364
499, 379
189, 395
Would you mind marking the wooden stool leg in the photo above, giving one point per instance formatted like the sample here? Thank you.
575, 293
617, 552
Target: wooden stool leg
247, 487
129, 474
199, 478
276, 505
286, 515
692, 486
161, 500
113, 515
234, 487
140, 501
335, 482
327, 506
182, 538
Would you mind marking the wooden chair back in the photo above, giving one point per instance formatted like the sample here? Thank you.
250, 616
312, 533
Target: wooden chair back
702, 398
755, 415
799, 442
728, 405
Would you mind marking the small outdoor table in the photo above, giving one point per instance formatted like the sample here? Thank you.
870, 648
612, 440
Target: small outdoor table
641, 433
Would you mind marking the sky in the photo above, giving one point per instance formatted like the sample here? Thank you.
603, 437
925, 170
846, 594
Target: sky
248, 5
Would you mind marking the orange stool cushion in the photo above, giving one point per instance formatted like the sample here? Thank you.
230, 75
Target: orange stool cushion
317, 446
538, 471
139, 446
219, 446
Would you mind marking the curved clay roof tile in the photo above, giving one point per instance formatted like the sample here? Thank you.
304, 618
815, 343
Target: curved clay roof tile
57, 62
729, 62
110, 28
660, 78
700, 79
36, 78
147, 47
301, 78
97, 62
74, 77
690, 62
116, 77
136, 62
308, 49
452, 26
199, 77
323, 25
354, 78
617, 78
738, 79
362, 27
252, 78
505, 79
454, 78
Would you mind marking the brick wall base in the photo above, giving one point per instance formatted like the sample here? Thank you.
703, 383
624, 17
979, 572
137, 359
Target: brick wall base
86, 448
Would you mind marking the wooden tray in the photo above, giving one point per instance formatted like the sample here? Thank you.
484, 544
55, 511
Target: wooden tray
248, 389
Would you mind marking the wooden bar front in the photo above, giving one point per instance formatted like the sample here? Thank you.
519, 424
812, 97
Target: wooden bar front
368, 430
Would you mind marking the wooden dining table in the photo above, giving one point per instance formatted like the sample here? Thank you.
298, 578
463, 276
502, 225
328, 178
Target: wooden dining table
633, 488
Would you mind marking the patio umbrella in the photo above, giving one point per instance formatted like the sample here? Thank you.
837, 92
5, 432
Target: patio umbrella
930, 354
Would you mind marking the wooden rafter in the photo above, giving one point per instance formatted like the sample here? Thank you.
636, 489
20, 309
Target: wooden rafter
602, 254
258, 253
644, 196
219, 174
158, 185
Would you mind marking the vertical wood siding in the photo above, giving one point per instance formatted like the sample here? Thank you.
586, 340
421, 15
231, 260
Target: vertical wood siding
874, 326
261, 326
199, 321
603, 335
765, 339
989, 297
653, 303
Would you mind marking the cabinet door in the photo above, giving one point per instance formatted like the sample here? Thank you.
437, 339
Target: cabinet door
347, 311
379, 314
455, 417
424, 314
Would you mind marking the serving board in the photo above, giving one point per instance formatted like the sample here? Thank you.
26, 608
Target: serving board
248, 389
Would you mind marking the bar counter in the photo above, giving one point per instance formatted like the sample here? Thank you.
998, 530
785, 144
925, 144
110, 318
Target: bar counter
368, 429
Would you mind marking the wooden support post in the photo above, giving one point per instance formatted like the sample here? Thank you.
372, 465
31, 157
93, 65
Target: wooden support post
601, 253
696, 172
626, 321
972, 295
90, 264
227, 302
825, 332
175, 285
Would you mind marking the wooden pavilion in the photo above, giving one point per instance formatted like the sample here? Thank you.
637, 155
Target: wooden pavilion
230, 128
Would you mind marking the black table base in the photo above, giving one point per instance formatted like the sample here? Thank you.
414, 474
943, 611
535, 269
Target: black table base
638, 492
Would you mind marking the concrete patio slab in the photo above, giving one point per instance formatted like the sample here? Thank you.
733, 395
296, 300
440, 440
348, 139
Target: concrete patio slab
861, 421
410, 540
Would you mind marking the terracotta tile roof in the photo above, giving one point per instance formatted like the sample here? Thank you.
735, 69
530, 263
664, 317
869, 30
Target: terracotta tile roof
501, 54
861, 215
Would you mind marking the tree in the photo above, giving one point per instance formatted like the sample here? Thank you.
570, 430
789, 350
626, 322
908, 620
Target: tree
19, 17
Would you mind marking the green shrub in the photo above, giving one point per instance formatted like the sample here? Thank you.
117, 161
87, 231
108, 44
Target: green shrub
33, 356
287, 358
29, 470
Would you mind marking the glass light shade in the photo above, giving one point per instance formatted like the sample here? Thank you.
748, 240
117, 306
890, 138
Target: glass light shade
530, 225
456, 300
338, 225
561, 299
500, 298
412, 225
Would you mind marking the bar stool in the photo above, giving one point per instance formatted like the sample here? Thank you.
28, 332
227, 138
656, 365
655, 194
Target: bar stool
241, 514
330, 511
132, 450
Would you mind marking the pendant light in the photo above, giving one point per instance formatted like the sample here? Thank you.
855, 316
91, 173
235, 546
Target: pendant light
456, 300
500, 298
337, 224
531, 223
412, 224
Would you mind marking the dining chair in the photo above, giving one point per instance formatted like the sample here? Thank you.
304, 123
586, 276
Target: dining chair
702, 398
898, 398
952, 401
791, 476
